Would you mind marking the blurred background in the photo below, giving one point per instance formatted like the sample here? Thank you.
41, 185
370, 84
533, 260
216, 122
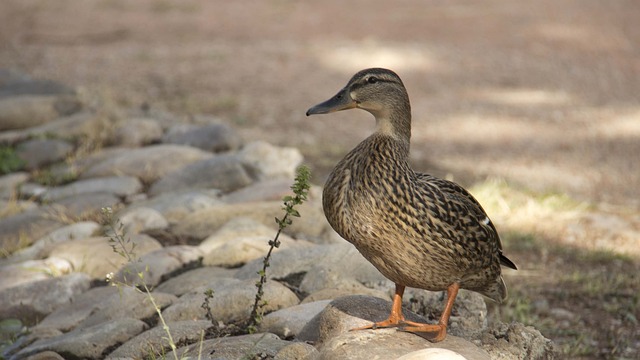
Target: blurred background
534, 105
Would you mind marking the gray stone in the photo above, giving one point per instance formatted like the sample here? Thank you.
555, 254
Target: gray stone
232, 300
13, 207
69, 316
87, 343
175, 206
32, 301
517, 341
269, 162
336, 261
242, 240
82, 253
10, 183
74, 168
154, 265
21, 230
433, 354
266, 190
41, 247
203, 223
392, 344
346, 313
137, 132
147, 164
31, 271
83, 205
20, 84
32, 190
142, 219
20, 112
264, 346
120, 186
355, 289
224, 172
41, 152
211, 137
297, 351
127, 303
289, 322
155, 341
185, 282
83, 123
34, 335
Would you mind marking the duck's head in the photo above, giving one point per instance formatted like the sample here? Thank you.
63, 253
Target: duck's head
378, 91
375, 90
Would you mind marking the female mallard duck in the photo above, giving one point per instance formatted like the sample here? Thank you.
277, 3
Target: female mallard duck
417, 230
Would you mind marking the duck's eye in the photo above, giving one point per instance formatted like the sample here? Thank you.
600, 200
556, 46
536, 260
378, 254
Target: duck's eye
372, 80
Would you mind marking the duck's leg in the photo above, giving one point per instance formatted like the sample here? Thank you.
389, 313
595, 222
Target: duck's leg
395, 318
436, 332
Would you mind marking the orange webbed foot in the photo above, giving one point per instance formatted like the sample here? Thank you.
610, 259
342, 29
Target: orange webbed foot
433, 333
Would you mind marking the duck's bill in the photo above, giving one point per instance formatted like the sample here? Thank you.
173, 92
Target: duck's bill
341, 101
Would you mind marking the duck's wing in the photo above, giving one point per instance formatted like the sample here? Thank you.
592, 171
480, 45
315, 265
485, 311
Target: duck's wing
459, 194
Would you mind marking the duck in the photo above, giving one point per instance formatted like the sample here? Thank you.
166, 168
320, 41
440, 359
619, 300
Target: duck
418, 230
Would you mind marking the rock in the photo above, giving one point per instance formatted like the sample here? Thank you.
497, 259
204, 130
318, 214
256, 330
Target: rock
192, 279
175, 206
10, 183
232, 300
34, 335
289, 322
147, 164
297, 351
41, 247
203, 223
120, 186
266, 190
77, 125
20, 112
31, 190
156, 264
346, 313
211, 137
41, 152
330, 294
32, 301
87, 343
432, 354
13, 207
344, 259
393, 344
81, 253
21, 84
31, 271
224, 172
46, 355
260, 346
69, 316
126, 303
269, 162
242, 240
83, 205
21, 230
142, 219
137, 132
517, 341
154, 341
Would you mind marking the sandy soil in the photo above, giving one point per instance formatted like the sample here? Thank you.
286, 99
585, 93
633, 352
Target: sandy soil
545, 94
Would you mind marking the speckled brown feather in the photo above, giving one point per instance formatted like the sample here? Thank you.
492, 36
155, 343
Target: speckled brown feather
417, 230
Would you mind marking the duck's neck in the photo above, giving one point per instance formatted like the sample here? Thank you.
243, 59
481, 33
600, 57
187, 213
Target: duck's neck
396, 124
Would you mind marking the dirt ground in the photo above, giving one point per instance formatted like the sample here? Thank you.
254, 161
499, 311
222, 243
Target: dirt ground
543, 95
